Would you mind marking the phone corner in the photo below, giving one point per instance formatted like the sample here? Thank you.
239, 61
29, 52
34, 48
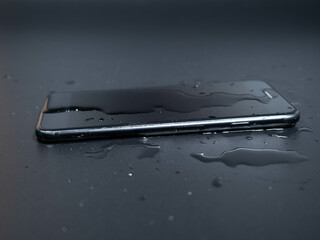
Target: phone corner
294, 117
44, 135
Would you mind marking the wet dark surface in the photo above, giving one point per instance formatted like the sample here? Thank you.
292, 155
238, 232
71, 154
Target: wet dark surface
123, 190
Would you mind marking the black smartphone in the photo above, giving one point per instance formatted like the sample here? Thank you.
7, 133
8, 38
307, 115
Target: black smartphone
216, 106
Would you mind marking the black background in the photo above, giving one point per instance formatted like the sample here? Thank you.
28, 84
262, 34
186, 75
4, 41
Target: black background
57, 192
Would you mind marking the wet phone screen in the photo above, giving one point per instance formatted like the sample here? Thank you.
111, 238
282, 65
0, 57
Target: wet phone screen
87, 114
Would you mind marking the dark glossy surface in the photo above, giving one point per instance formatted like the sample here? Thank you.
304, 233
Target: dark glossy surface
57, 191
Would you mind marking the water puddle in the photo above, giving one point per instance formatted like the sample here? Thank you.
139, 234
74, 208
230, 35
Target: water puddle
146, 150
252, 157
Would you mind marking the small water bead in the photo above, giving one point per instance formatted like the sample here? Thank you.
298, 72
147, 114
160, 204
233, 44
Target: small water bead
142, 198
217, 182
81, 203
89, 119
8, 76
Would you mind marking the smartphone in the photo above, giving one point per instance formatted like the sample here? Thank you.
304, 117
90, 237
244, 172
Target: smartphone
216, 106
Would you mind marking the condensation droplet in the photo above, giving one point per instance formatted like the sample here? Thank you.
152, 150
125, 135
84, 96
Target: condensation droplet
64, 229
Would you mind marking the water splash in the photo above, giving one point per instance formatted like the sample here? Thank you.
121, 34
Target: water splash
252, 157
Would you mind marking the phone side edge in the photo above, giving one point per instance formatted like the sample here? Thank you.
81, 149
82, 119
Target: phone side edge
42, 134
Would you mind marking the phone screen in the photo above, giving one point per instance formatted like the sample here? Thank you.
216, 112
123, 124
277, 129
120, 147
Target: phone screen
112, 108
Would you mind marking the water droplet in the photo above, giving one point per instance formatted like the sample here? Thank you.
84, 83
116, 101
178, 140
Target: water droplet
64, 229
304, 129
96, 154
142, 198
189, 193
196, 85
130, 174
70, 180
69, 82
217, 182
252, 157
248, 138
81, 203
171, 218
8, 76
148, 151
89, 119
279, 136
